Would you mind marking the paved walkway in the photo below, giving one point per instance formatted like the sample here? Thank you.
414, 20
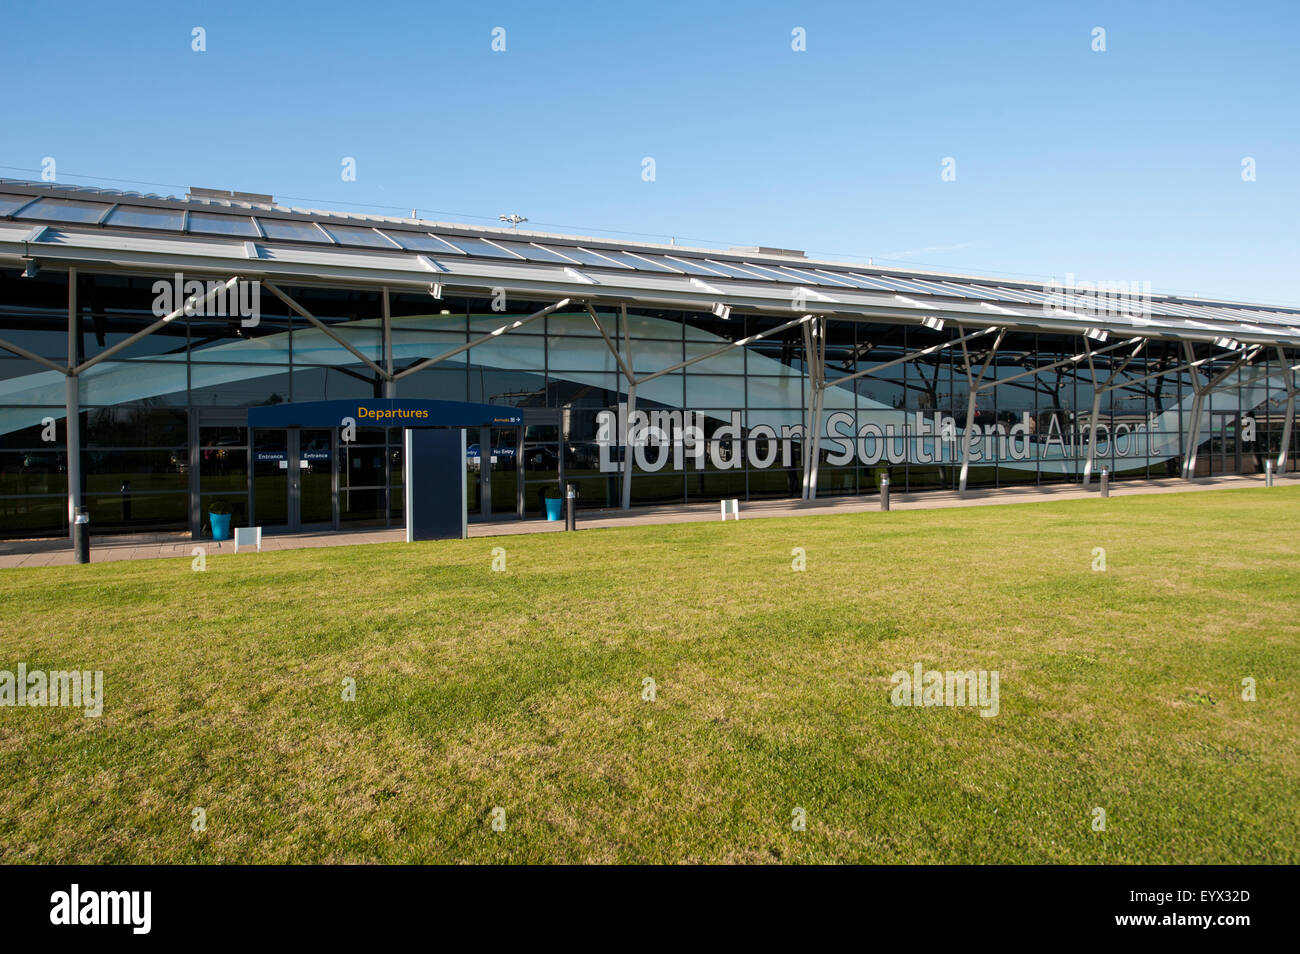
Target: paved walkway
47, 552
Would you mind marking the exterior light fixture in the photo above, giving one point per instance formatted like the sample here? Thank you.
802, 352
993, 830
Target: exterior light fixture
722, 311
436, 290
1096, 334
31, 269
934, 324
1229, 343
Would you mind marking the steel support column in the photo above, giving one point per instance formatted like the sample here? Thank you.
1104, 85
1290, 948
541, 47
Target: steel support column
819, 349
628, 453
814, 337
390, 386
1198, 406
1290, 411
975, 387
1097, 392
1194, 424
805, 445
72, 408
630, 382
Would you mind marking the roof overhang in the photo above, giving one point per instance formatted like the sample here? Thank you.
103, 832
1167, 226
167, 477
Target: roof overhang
92, 248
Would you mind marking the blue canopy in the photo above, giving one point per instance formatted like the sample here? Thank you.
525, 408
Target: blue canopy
384, 412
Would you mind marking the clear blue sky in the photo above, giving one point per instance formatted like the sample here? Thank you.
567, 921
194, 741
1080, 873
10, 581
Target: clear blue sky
1117, 165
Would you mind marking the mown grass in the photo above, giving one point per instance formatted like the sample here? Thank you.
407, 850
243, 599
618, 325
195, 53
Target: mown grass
523, 689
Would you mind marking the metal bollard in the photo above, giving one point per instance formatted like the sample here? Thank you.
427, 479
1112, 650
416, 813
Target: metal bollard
884, 493
81, 535
1268, 473
570, 508
1105, 482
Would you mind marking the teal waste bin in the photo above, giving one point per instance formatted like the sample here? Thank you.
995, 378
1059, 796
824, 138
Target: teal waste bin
220, 525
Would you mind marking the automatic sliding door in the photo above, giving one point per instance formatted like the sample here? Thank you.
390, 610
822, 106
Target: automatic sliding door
315, 473
363, 477
541, 465
271, 477
1224, 450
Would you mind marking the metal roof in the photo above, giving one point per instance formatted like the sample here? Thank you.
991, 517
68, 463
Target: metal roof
103, 228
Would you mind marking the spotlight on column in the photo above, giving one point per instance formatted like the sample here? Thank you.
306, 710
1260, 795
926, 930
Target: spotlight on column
934, 324
722, 311
1096, 334
436, 290
31, 269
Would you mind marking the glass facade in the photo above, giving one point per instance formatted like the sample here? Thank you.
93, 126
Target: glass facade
164, 433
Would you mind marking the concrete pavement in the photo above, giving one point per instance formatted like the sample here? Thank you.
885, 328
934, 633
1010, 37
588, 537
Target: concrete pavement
104, 549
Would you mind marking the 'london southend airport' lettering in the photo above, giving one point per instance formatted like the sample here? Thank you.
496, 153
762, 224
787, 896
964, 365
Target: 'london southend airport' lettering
660, 437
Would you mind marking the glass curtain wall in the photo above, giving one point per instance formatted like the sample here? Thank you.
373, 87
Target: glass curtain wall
150, 462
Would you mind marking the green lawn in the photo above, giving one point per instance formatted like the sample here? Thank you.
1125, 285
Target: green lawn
523, 689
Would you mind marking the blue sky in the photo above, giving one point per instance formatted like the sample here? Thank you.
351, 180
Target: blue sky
1123, 164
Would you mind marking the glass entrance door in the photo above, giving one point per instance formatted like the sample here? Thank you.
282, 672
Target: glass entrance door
312, 454
271, 478
1225, 448
541, 466
293, 478
492, 480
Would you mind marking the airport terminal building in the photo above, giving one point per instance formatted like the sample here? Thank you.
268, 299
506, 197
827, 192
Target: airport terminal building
137, 332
